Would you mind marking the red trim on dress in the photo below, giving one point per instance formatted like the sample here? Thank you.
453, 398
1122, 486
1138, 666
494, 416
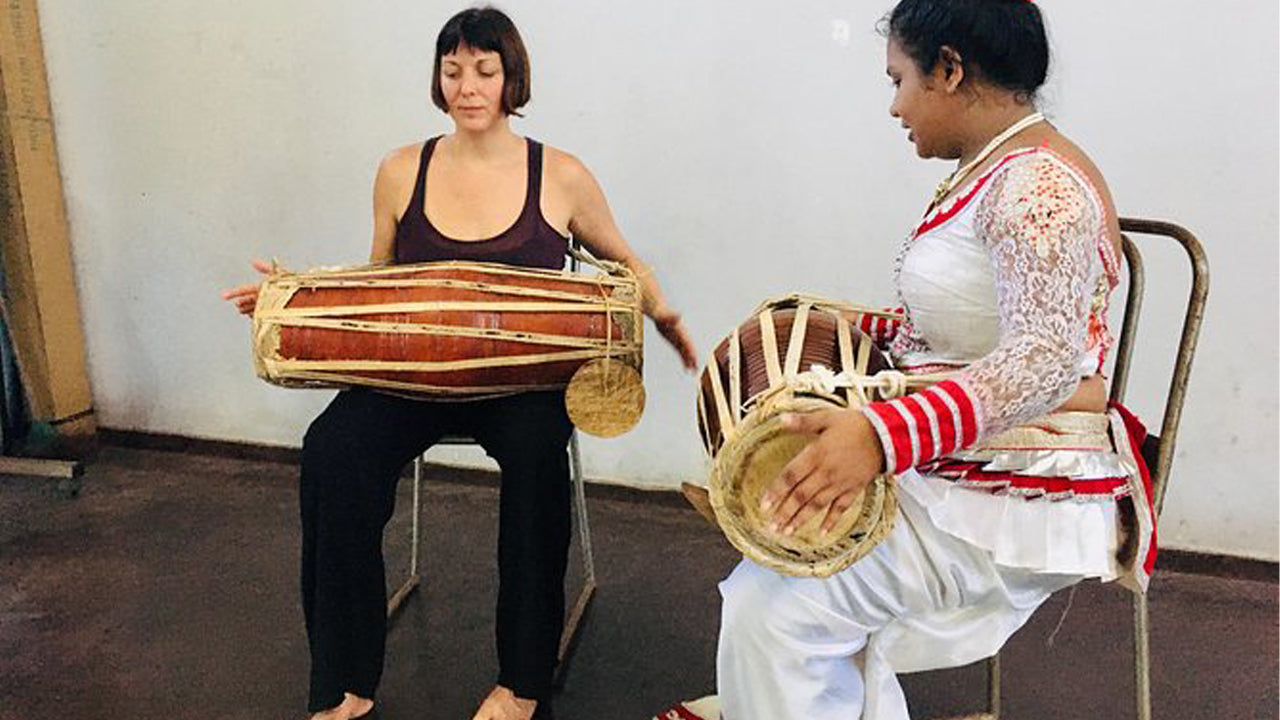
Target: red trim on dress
900, 436
968, 413
959, 203
913, 405
970, 474
946, 425
1137, 433
680, 712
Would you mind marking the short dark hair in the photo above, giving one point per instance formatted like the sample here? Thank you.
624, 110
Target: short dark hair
489, 29
1000, 41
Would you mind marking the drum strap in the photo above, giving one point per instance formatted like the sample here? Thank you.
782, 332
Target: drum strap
795, 345
864, 354
769, 341
845, 338
722, 406
735, 375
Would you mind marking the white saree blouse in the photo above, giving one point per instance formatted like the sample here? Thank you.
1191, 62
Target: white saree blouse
1006, 287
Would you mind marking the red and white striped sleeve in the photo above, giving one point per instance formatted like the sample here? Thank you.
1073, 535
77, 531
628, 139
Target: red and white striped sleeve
925, 425
1041, 227
881, 328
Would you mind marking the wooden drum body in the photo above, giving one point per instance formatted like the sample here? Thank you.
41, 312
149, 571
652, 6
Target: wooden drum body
765, 368
459, 331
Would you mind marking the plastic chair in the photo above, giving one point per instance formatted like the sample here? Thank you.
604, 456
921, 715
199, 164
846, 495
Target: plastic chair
1158, 451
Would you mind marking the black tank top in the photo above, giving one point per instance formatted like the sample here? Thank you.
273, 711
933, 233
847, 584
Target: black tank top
529, 242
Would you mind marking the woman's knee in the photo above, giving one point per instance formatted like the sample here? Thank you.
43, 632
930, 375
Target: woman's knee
752, 598
339, 457
531, 452
763, 608
325, 444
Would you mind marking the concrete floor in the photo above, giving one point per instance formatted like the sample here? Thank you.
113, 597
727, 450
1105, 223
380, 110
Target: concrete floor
168, 588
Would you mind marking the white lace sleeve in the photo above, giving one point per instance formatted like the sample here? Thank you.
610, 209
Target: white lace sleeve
1042, 229
1041, 226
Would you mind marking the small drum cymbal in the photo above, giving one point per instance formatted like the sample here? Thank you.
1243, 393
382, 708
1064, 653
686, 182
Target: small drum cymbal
605, 397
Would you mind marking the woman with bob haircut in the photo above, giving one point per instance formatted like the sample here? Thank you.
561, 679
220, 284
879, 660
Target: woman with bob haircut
1015, 480
479, 193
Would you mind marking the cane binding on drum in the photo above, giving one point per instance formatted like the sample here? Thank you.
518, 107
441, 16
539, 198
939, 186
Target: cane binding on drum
796, 354
460, 331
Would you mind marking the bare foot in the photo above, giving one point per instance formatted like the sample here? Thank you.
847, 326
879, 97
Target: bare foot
351, 707
502, 704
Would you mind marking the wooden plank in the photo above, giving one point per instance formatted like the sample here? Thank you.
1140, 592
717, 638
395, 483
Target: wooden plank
57, 469
43, 309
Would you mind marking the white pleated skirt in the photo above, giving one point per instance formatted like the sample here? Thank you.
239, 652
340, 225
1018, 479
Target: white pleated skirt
1071, 536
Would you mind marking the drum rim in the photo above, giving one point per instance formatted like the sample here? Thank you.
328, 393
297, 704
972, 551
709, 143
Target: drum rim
875, 517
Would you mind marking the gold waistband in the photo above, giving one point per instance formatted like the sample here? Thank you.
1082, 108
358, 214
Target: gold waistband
1061, 430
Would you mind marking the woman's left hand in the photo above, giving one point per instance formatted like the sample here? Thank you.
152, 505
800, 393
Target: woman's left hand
672, 329
829, 474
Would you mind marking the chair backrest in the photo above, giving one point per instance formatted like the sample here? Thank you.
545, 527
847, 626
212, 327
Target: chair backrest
1192, 320
575, 244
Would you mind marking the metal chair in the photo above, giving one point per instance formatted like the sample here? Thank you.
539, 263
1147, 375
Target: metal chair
576, 613
1159, 449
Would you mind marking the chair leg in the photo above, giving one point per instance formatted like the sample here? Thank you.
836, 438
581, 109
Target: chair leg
574, 622
1141, 657
580, 509
993, 687
412, 580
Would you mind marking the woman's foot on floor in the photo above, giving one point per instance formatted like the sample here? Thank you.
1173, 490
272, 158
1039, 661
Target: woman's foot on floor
502, 704
351, 708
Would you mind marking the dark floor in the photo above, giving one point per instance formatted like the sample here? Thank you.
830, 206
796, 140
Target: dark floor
167, 590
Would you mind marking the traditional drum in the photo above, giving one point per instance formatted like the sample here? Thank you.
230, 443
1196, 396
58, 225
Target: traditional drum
460, 331
796, 354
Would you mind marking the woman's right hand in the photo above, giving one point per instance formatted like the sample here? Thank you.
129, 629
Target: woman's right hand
672, 328
245, 297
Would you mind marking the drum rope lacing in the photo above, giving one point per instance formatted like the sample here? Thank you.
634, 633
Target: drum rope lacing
784, 379
274, 316
748, 428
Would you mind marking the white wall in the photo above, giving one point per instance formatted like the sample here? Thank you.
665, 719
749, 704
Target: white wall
745, 147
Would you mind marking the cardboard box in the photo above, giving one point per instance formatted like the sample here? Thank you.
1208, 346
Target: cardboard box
43, 308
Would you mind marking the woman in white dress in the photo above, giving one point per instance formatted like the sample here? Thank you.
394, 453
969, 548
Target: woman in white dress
1015, 478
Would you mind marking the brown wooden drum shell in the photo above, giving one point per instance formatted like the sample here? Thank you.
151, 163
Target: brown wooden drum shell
443, 329
821, 347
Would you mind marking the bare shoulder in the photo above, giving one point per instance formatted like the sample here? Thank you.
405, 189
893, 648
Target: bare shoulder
564, 169
400, 162
397, 173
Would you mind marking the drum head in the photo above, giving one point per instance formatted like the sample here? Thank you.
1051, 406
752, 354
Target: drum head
746, 467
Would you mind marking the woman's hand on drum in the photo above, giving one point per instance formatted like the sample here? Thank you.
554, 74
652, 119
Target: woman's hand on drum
828, 475
669, 324
245, 297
